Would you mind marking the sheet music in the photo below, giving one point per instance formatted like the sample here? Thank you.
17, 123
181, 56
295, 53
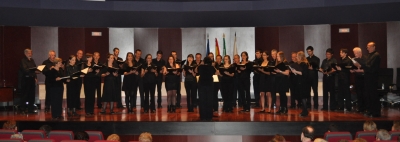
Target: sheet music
215, 78
85, 71
41, 67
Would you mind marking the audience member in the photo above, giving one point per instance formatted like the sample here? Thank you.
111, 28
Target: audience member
383, 135
369, 126
307, 134
145, 137
333, 128
81, 135
320, 140
17, 136
10, 125
359, 140
46, 129
278, 138
113, 137
396, 126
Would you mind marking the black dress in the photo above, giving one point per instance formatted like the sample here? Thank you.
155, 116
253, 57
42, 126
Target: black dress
244, 85
303, 81
110, 86
56, 89
171, 80
270, 80
73, 87
90, 88
130, 86
264, 85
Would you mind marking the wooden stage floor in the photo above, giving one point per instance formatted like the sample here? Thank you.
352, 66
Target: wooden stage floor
161, 115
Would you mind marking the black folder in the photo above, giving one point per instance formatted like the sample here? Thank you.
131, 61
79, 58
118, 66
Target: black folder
112, 69
180, 63
120, 62
176, 69
230, 69
95, 67
187, 68
150, 67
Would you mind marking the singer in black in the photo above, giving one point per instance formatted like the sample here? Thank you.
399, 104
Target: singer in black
282, 81
313, 70
244, 80
265, 85
73, 84
206, 73
117, 60
160, 63
198, 62
27, 81
294, 94
190, 82
110, 75
171, 83
130, 85
139, 61
328, 81
371, 69
343, 68
96, 61
256, 78
217, 85
272, 76
359, 79
49, 65
302, 81
226, 79
149, 73
89, 84
79, 61
236, 61
56, 88
178, 91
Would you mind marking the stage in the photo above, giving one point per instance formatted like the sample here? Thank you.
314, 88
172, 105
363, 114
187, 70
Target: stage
186, 126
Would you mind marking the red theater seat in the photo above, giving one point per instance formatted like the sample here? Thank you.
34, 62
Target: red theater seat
395, 135
33, 134
41, 140
337, 136
6, 134
59, 135
370, 136
11, 140
95, 135
73, 141
103, 141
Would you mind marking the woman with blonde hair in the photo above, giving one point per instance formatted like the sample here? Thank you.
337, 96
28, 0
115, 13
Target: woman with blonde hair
302, 81
282, 81
145, 137
113, 137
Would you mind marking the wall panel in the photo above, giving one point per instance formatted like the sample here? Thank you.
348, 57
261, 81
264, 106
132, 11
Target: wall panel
193, 41
393, 47
291, 38
343, 40
70, 40
375, 32
121, 38
267, 38
2, 74
170, 40
245, 41
97, 43
147, 40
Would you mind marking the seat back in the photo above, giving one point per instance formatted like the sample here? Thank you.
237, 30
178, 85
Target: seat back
41, 140
59, 135
6, 134
103, 141
337, 136
95, 135
369, 136
73, 141
33, 134
11, 140
394, 135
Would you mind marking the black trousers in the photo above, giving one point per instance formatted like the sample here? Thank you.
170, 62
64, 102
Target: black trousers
118, 93
344, 93
89, 86
314, 88
329, 94
244, 92
191, 93
205, 101
97, 86
196, 98
294, 94
178, 93
227, 94
372, 104
141, 91
159, 86
236, 94
47, 101
28, 93
256, 87
273, 90
130, 98
56, 100
73, 93
217, 86
79, 87
149, 93
361, 97
282, 98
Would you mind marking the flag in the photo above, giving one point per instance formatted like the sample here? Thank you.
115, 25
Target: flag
208, 46
235, 46
224, 52
216, 47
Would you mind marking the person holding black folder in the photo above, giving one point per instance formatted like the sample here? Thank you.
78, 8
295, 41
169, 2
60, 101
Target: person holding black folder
49, 65
190, 82
27, 81
56, 88
178, 92
265, 84
282, 81
96, 62
217, 85
302, 81
73, 85
272, 76
314, 67
359, 79
256, 78
79, 62
198, 62
294, 94
160, 63
131, 73
236, 61
119, 61
149, 74
226, 73
328, 81
206, 72
89, 84
343, 68
139, 61
171, 82
244, 69
110, 74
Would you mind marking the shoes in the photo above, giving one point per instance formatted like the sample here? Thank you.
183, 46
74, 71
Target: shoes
292, 106
103, 112
146, 111
159, 106
262, 111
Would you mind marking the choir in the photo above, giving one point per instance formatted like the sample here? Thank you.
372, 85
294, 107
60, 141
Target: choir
203, 79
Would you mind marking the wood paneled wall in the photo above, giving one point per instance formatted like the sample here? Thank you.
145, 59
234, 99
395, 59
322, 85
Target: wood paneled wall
70, 40
170, 40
